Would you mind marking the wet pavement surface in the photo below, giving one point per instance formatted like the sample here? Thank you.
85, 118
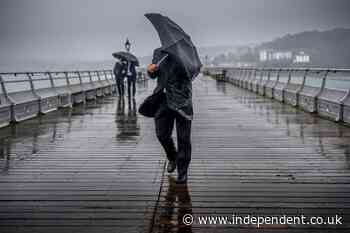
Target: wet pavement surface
99, 167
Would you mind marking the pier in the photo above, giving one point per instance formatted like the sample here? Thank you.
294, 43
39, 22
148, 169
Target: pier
98, 167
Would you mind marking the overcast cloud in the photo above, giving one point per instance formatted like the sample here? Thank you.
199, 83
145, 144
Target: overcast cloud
92, 29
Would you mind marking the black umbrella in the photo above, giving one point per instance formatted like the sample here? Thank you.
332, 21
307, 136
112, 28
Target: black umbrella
177, 43
126, 56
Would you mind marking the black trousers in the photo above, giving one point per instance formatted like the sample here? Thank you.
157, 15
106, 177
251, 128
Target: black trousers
165, 119
131, 84
120, 86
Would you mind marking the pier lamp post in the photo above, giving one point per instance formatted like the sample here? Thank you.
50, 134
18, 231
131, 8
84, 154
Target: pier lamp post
127, 45
206, 60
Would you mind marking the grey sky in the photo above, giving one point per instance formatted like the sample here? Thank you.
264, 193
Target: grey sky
92, 29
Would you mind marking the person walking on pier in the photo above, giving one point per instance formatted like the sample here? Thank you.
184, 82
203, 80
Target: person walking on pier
175, 106
175, 65
119, 71
131, 78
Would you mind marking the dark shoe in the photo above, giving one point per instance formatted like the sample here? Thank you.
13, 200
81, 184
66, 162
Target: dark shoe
181, 179
171, 166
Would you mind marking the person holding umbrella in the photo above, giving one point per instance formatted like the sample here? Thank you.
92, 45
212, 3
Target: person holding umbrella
119, 74
175, 65
127, 69
131, 78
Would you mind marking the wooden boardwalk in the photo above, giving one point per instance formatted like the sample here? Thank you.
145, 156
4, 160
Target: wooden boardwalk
99, 168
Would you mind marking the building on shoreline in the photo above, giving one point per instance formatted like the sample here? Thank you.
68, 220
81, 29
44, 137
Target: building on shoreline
283, 57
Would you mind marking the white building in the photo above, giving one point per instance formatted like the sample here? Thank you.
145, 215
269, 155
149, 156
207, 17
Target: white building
263, 55
271, 55
301, 57
282, 55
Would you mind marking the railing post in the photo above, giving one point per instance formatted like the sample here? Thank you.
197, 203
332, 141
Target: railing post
29, 75
224, 75
304, 78
278, 75
255, 80
250, 75
30, 81
245, 77
242, 77
277, 80
323, 84
51, 79
2, 83
67, 78
289, 76
261, 81
268, 75
244, 74
90, 77
324, 79
98, 75
301, 87
79, 76
80, 79
261, 74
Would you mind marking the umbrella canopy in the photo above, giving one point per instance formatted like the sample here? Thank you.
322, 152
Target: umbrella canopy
176, 42
126, 56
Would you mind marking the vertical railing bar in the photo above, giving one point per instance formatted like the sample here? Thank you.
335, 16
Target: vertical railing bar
51, 79
30, 81
324, 77
3, 88
268, 75
79, 76
67, 78
90, 77
289, 76
98, 75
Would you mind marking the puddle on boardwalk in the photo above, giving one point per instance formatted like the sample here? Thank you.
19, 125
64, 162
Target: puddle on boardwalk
176, 207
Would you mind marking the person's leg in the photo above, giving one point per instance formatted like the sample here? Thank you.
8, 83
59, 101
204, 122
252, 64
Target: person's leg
134, 88
164, 122
129, 87
122, 86
118, 87
183, 129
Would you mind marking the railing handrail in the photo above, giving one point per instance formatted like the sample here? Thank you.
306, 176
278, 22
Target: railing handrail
53, 72
315, 69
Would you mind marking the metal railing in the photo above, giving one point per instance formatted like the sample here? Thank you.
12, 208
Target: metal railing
24, 95
32, 81
325, 91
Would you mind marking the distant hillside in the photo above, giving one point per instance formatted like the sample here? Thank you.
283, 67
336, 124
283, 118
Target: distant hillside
327, 48
213, 51
210, 51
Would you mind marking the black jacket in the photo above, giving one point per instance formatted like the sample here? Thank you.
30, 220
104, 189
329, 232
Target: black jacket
132, 71
119, 71
172, 79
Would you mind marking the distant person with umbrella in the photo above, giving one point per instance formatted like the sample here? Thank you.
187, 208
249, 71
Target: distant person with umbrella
128, 70
175, 65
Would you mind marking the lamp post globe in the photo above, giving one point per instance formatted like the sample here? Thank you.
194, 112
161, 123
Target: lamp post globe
127, 45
